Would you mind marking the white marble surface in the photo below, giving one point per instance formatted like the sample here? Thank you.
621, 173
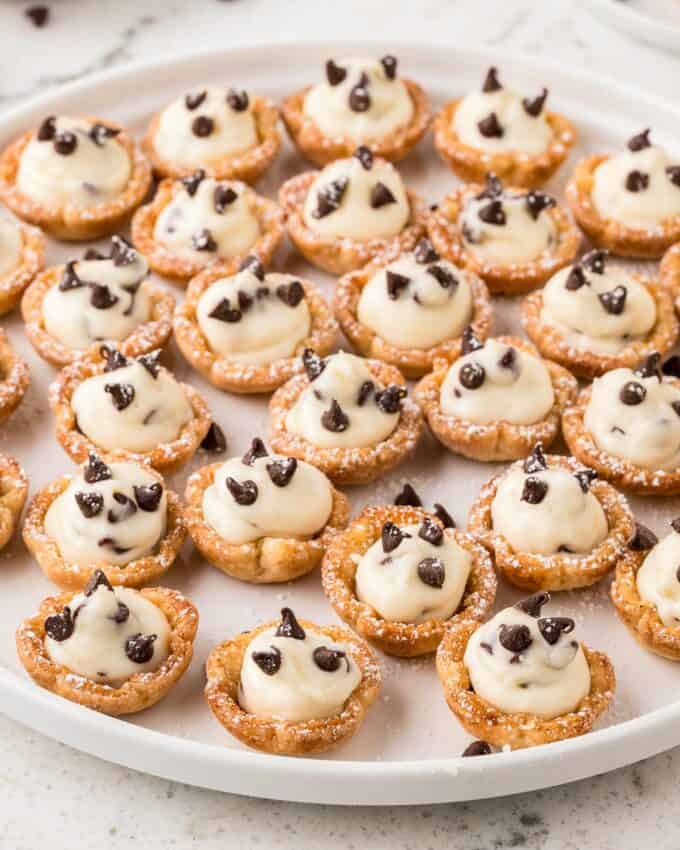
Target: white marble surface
54, 797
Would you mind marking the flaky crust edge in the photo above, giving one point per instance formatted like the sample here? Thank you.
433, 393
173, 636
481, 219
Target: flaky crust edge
13, 284
14, 377
13, 493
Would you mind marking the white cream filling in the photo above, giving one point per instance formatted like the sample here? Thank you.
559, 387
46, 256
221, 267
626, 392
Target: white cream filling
545, 680
109, 305
300, 690
341, 381
354, 216
566, 517
658, 581
111, 526
645, 208
390, 583
389, 106
297, 509
232, 131
646, 434
156, 413
270, 327
92, 174
11, 245
584, 321
96, 649
193, 228
520, 392
521, 132
421, 313
521, 239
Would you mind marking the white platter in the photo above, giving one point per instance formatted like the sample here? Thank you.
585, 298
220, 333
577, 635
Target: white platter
408, 750
654, 21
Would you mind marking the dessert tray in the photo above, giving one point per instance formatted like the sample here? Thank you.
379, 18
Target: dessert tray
408, 750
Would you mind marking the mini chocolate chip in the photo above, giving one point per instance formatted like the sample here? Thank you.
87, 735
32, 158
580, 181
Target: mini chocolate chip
431, 532
676, 407
96, 580
673, 174
408, 496
101, 297
282, 471
643, 538
595, 260
268, 662
99, 133
389, 400
632, 393
90, 504
514, 638
365, 392
96, 470
424, 252
223, 197
537, 202
389, 64
60, 626
335, 419
253, 264
535, 462
637, 181
148, 497
490, 127
509, 359
395, 284
476, 748
470, 342
614, 301
244, 493
675, 525
649, 368
493, 187
291, 293
129, 508
491, 81
534, 106
329, 660
329, 198
575, 279
534, 490
224, 312
486, 647
492, 213
335, 74
38, 15
203, 241
109, 541
391, 537
65, 142
114, 359
381, 196
47, 130
245, 301
122, 395
122, 614
289, 627
671, 367
139, 648
238, 100
202, 126
552, 627
640, 141
262, 292
313, 364
193, 101
192, 181
359, 98
69, 279
443, 277
365, 157
431, 571
257, 450
585, 478
532, 604
151, 362
472, 375
564, 549
443, 516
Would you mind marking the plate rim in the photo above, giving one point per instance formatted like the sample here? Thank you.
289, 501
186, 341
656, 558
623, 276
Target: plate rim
635, 24
347, 782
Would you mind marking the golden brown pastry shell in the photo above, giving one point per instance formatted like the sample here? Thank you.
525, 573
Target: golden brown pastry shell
13, 284
13, 492
14, 377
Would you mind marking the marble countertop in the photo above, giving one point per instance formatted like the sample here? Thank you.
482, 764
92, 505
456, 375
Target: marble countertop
48, 790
